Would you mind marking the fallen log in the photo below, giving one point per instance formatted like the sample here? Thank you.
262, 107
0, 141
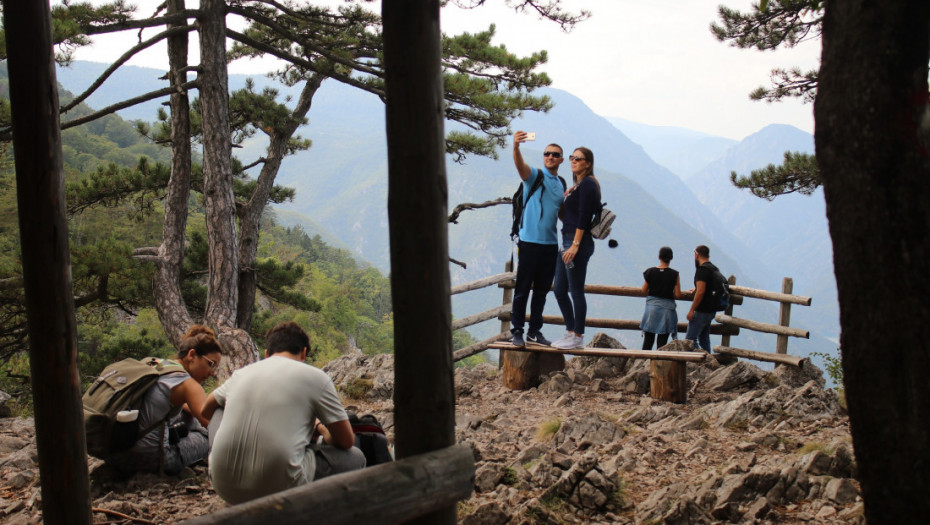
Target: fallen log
388, 493
784, 359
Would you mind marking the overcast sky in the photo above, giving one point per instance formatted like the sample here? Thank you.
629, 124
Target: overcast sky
650, 61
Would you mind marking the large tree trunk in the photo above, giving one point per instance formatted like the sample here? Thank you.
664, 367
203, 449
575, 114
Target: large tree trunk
424, 400
219, 201
251, 214
168, 299
46, 264
873, 147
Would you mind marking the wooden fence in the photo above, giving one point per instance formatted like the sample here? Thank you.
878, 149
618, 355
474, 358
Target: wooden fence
727, 325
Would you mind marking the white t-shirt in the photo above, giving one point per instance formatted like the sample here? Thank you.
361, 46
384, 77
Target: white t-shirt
269, 411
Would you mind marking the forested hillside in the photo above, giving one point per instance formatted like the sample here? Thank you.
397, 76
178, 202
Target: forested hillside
114, 190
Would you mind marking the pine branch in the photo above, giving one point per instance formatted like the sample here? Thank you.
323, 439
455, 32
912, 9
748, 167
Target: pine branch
453, 217
303, 42
799, 173
239, 37
122, 60
177, 18
124, 104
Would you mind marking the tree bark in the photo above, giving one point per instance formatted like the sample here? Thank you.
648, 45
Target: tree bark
668, 380
169, 303
223, 248
46, 264
520, 370
873, 148
424, 398
250, 215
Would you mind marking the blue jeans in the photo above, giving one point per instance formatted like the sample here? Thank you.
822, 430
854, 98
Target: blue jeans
570, 282
699, 329
535, 268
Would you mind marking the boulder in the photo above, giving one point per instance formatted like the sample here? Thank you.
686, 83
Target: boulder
742, 375
363, 376
490, 512
636, 380
587, 431
796, 377
5, 410
841, 491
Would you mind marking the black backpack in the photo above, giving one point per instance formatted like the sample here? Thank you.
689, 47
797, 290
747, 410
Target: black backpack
370, 439
519, 202
720, 291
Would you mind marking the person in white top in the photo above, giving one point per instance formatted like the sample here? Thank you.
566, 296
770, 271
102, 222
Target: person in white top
270, 409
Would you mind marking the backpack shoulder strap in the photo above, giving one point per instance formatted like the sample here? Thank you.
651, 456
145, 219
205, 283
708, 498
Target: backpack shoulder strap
536, 185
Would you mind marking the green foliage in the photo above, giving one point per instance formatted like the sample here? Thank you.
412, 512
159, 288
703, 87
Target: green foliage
509, 477
357, 388
100, 344
770, 25
799, 173
833, 365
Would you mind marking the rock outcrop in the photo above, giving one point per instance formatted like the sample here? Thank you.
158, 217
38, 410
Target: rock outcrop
588, 445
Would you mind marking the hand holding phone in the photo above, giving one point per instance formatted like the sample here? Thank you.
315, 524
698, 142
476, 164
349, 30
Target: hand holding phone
531, 135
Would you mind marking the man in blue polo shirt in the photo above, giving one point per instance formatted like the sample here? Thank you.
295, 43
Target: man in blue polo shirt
538, 246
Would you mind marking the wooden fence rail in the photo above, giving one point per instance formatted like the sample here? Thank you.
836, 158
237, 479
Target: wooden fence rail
762, 327
695, 357
727, 326
783, 359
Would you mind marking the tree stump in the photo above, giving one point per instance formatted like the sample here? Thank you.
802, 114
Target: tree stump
520, 370
668, 380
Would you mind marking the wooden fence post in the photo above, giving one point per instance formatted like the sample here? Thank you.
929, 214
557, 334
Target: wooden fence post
784, 316
725, 339
508, 294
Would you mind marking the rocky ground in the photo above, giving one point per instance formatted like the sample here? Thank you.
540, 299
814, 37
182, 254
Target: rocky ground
589, 445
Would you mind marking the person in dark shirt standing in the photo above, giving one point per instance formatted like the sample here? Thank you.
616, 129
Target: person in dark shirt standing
578, 247
662, 286
703, 310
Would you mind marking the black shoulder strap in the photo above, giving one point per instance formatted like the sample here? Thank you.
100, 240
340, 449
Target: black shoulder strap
536, 185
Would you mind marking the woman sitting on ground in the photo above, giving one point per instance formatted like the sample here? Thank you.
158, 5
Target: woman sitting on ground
662, 287
176, 399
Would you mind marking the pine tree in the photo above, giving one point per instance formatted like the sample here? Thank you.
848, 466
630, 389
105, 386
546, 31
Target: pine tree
771, 24
486, 86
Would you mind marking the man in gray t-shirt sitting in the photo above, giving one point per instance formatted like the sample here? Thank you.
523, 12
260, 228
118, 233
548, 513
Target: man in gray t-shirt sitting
268, 413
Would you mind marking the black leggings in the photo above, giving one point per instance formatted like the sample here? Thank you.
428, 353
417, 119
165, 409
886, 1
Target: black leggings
649, 338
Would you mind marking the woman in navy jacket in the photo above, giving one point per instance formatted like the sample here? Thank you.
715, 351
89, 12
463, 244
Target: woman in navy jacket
578, 246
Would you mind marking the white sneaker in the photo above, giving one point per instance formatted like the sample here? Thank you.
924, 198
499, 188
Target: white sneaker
571, 342
562, 340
